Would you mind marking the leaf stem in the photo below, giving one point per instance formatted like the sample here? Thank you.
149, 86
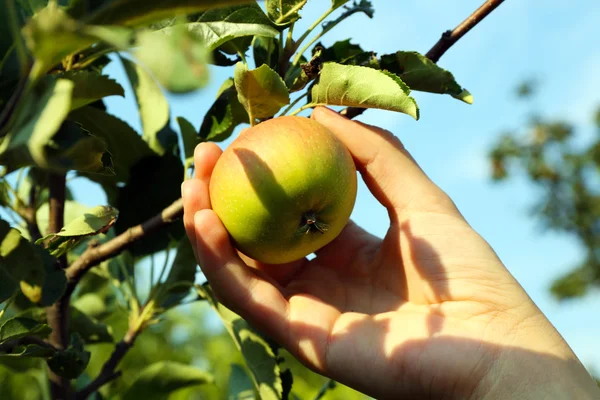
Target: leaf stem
305, 107
243, 57
294, 103
330, 384
312, 28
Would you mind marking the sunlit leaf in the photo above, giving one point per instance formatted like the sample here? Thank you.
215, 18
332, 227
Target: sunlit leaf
422, 74
176, 56
20, 259
260, 356
70, 363
261, 91
18, 327
231, 28
224, 115
152, 104
160, 379
51, 35
41, 119
284, 12
355, 86
96, 220
91, 86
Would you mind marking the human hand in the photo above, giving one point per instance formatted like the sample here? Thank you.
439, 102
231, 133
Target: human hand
429, 311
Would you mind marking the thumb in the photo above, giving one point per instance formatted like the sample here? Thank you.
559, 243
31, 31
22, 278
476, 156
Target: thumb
389, 171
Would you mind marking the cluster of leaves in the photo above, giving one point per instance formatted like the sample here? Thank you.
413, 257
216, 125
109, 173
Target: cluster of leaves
568, 176
53, 122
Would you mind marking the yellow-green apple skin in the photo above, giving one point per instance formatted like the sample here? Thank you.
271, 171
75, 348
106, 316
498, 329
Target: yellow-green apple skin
283, 189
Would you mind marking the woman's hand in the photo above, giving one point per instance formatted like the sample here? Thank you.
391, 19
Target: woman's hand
429, 311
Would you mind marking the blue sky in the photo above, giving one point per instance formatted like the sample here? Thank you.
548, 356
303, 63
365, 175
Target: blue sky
553, 41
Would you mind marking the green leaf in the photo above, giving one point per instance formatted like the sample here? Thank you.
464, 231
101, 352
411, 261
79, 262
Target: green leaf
136, 206
138, 12
8, 286
342, 52
181, 276
266, 51
73, 210
152, 104
51, 35
215, 34
231, 28
90, 329
354, 86
224, 115
69, 148
422, 74
259, 354
29, 350
189, 137
240, 384
160, 379
284, 12
124, 144
41, 118
20, 259
70, 363
18, 327
96, 220
176, 56
261, 91
90, 86
55, 282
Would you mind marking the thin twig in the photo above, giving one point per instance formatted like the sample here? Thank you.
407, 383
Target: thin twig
108, 372
450, 37
446, 41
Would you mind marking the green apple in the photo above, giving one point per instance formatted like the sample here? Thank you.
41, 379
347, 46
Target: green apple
283, 189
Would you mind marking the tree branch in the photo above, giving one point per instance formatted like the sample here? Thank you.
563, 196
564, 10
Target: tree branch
446, 41
94, 255
108, 372
58, 313
450, 37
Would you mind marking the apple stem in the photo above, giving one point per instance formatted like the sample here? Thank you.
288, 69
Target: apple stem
310, 223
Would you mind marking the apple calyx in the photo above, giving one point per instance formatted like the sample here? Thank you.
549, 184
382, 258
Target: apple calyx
309, 223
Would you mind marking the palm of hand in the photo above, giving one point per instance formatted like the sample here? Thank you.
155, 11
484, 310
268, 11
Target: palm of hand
396, 290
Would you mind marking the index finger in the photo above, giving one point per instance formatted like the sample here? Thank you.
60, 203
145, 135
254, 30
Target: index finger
391, 174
